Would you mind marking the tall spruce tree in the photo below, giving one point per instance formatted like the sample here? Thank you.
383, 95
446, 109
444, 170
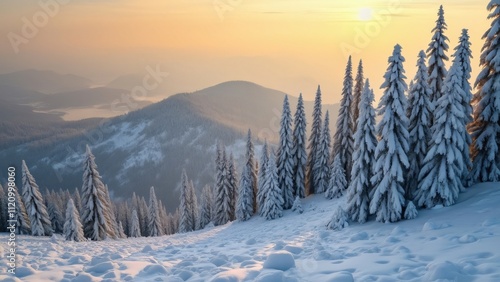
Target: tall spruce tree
391, 154
440, 179
261, 193
273, 204
365, 142
135, 229
250, 164
73, 229
223, 195
185, 215
193, 206
55, 216
37, 211
419, 113
343, 138
337, 183
285, 157
463, 54
96, 215
154, 226
299, 151
244, 205
485, 130
436, 54
206, 206
356, 95
232, 181
314, 140
322, 158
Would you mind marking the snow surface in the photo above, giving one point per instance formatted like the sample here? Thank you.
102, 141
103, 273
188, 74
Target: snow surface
457, 243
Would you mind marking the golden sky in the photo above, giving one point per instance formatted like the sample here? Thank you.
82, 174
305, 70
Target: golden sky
290, 45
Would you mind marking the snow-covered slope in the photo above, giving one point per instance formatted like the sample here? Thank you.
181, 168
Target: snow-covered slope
457, 243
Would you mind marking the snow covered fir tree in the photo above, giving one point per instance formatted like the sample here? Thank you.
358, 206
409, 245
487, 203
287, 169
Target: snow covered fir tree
391, 153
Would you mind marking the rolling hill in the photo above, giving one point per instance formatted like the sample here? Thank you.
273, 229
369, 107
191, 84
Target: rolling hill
151, 146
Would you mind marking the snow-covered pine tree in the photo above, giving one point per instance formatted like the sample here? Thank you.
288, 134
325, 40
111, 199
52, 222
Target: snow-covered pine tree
206, 206
163, 218
273, 204
232, 181
391, 159
285, 157
185, 216
321, 167
96, 217
193, 205
440, 179
261, 183
411, 211
73, 229
356, 96
463, 54
135, 229
250, 163
343, 138
299, 150
154, 227
337, 183
37, 211
365, 142
436, 54
339, 220
244, 205
136, 205
419, 112
314, 140
23, 225
297, 205
223, 195
143, 216
55, 217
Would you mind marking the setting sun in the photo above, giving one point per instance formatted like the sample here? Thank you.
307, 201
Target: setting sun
365, 14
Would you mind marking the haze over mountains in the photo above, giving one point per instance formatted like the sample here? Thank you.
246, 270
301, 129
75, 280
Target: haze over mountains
151, 146
59, 96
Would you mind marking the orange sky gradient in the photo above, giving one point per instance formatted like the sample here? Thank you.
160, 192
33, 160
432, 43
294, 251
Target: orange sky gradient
288, 45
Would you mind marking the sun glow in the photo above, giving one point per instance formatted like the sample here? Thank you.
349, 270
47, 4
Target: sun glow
365, 14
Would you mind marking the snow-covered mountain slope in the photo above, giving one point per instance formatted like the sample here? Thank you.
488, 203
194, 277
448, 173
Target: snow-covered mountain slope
151, 146
457, 243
